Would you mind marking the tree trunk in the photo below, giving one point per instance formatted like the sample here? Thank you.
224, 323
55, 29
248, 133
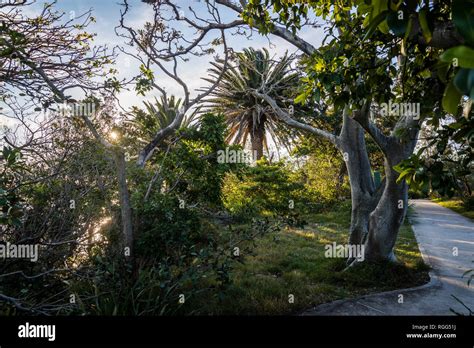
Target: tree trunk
340, 176
125, 206
257, 137
385, 221
363, 197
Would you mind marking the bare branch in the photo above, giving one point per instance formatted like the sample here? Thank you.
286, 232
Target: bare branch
285, 117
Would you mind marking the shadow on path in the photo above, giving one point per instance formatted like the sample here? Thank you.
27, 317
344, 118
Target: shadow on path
446, 241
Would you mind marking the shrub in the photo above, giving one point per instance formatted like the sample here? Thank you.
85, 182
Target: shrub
262, 190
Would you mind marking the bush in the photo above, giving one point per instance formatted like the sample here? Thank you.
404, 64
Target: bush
278, 189
468, 202
193, 264
179, 249
263, 190
323, 177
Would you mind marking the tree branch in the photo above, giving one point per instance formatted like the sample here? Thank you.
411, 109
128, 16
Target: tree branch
282, 115
362, 117
444, 35
279, 31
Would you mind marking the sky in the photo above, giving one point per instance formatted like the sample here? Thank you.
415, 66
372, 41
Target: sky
107, 14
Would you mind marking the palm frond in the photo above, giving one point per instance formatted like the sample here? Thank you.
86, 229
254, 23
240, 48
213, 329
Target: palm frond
233, 96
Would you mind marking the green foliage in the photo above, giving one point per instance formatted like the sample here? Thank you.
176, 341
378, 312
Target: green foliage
463, 54
463, 18
451, 98
175, 252
166, 228
291, 13
266, 189
145, 82
11, 40
184, 165
292, 261
179, 248
155, 117
400, 17
10, 203
180, 256
461, 205
323, 175
247, 116
280, 189
448, 169
115, 292
181, 244
356, 63
49, 219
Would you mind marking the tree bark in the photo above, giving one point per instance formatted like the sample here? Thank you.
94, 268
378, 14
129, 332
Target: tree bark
444, 35
387, 218
257, 138
354, 151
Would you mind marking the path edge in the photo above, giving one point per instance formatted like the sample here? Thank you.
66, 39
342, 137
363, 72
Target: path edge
433, 282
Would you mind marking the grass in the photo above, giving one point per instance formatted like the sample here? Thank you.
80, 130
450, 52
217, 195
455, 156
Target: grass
456, 205
292, 262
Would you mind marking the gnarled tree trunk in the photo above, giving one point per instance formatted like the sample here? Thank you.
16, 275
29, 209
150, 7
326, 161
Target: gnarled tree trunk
351, 143
363, 193
387, 218
385, 221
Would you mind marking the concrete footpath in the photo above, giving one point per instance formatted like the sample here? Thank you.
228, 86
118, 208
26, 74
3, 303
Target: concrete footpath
446, 241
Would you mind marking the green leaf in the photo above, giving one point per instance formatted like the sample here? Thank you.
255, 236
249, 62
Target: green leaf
425, 73
462, 56
394, 5
398, 22
456, 125
463, 18
379, 7
300, 99
425, 28
464, 81
451, 98
442, 69
404, 174
405, 38
383, 27
374, 24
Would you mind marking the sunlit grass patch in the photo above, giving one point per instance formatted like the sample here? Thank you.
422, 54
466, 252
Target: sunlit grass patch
456, 205
303, 233
291, 263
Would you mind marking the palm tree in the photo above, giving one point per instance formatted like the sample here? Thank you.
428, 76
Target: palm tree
156, 116
245, 114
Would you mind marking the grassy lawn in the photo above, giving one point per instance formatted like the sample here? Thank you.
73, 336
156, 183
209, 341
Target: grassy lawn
292, 262
456, 205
